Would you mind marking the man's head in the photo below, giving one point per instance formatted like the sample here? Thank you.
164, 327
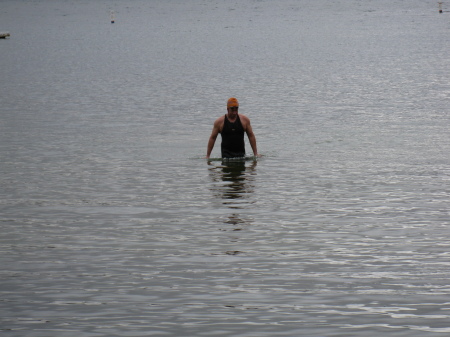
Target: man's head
232, 104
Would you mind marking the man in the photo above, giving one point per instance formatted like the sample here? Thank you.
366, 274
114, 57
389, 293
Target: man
232, 127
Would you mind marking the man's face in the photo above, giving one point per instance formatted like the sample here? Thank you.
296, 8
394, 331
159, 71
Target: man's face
233, 111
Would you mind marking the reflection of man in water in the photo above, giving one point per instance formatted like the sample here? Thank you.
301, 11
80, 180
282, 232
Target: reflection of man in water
232, 127
233, 173
232, 182
233, 186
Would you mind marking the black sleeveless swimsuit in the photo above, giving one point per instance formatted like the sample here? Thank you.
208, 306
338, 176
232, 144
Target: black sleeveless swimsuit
233, 145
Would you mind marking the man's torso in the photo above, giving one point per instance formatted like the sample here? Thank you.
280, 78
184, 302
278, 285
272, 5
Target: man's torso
232, 138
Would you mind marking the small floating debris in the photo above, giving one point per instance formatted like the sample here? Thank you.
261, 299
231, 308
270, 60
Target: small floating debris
4, 35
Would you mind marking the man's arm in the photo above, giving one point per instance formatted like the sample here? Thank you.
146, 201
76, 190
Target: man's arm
251, 136
252, 140
212, 138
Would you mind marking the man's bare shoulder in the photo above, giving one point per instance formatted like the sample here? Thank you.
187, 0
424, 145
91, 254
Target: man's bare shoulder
219, 121
244, 119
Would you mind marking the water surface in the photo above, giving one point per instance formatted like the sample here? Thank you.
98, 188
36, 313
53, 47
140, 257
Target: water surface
113, 225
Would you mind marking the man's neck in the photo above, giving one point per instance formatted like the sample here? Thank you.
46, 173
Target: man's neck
231, 119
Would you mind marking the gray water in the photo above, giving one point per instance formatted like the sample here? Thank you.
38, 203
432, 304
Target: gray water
113, 224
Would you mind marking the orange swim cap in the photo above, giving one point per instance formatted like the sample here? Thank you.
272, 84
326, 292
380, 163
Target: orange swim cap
232, 102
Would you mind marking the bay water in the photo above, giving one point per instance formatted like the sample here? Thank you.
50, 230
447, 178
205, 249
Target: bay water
113, 223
